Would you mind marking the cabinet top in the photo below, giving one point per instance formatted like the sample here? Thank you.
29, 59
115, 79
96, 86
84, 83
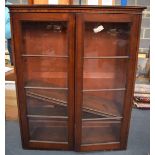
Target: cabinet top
76, 8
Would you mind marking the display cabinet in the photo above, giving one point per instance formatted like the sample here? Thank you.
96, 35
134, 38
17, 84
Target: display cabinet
75, 72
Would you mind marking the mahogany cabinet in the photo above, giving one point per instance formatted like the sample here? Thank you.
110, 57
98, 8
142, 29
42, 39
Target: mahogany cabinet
75, 72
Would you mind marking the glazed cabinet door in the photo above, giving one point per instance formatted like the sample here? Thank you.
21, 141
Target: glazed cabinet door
105, 70
44, 61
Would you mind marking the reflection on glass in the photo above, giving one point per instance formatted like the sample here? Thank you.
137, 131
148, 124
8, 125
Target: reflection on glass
106, 57
47, 38
105, 73
103, 104
42, 102
106, 39
46, 72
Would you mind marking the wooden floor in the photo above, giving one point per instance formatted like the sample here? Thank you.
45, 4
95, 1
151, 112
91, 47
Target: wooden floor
11, 110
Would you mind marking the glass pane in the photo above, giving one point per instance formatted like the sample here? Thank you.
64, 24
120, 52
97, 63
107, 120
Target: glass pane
106, 39
46, 102
47, 38
46, 72
45, 69
100, 131
106, 57
46, 96
103, 104
104, 73
48, 129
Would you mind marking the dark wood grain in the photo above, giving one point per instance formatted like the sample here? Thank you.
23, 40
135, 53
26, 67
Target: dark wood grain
132, 67
104, 75
35, 81
78, 81
22, 110
75, 85
71, 80
114, 9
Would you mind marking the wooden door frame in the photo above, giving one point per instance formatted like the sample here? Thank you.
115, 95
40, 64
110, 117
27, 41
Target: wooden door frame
135, 21
16, 22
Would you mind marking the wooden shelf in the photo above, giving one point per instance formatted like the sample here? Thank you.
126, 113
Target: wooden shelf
107, 57
102, 105
34, 84
55, 103
43, 55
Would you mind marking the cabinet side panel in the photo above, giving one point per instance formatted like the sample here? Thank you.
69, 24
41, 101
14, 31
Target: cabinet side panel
16, 39
134, 47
